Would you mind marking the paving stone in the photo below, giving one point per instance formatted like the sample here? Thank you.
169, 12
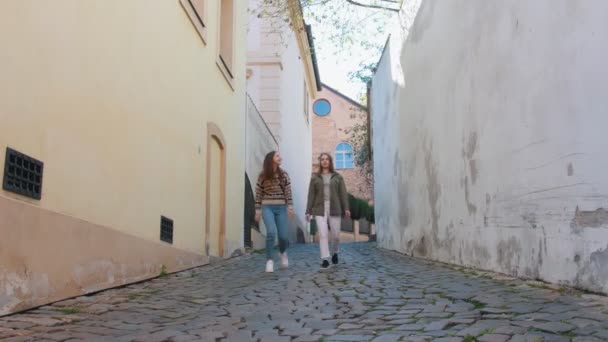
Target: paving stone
462, 320
275, 339
387, 338
433, 315
437, 325
374, 295
586, 339
555, 327
349, 338
494, 338
418, 339
308, 338
556, 308
410, 327
326, 332
510, 330
296, 332
524, 308
551, 337
399, 321
399, 316
241, 335
581, 322
526, 338
490, 310
601, 334
376, 321
321, 325
184, 338
436, 333
376, 328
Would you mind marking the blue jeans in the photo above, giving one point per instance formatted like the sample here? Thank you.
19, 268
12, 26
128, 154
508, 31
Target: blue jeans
275, 219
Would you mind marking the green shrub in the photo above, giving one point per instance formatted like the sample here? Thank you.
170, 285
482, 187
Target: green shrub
313, 227
359, 208
371, 215
353, 203
363, 208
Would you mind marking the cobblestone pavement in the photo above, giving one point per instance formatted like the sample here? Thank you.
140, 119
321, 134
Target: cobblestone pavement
373, 295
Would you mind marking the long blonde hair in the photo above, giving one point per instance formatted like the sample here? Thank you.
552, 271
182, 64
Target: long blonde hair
331, 163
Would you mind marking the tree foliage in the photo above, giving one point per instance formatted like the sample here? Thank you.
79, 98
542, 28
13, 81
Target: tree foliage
359, 138
349, 25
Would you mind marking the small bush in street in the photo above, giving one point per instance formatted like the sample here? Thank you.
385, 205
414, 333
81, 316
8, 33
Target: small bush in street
69, 311
163, 271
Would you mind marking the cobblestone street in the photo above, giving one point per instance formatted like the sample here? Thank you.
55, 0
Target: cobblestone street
373, 295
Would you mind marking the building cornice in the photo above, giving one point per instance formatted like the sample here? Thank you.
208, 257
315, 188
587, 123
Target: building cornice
304, 44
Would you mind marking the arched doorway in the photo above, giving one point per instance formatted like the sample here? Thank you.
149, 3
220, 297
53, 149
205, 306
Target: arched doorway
215, 228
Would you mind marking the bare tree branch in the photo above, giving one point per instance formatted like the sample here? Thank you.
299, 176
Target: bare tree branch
352, 2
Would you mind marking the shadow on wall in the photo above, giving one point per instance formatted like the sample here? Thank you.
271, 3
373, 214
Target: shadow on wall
249, 213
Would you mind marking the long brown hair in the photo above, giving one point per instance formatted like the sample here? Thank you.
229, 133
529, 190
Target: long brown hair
331, 163
268, 173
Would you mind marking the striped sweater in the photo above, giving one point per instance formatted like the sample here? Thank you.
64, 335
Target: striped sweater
275, 191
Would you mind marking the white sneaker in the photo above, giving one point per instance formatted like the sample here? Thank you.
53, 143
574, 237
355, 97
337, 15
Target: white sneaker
284, 260
269, 266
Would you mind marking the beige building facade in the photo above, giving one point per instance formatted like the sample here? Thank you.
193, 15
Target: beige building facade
122, 130
334, 115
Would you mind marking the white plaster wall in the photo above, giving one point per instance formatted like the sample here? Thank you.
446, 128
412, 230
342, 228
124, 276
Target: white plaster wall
259, 142
489, 122
296, 131
276, 88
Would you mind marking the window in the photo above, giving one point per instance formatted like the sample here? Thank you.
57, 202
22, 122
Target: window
22, 174
321, 107
166, 229
344, 156
226, 39
197, 10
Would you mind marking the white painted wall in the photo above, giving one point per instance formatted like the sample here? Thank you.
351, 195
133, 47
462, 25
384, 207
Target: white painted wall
259, 142
489, 131
296, 131
276, 87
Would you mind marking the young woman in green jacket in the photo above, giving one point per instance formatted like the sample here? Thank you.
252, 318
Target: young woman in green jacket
328, 203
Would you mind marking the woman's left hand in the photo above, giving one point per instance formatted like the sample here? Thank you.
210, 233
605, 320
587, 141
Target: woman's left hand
290, 212
347, 213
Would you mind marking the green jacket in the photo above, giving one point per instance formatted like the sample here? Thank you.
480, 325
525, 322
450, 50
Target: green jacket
338, 197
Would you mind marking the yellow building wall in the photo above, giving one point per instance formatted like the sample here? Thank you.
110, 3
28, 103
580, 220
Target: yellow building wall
115, 96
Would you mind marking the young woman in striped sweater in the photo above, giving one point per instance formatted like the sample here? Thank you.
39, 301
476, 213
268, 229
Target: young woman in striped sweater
274, 204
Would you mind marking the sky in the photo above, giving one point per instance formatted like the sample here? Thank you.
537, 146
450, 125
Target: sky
346, 37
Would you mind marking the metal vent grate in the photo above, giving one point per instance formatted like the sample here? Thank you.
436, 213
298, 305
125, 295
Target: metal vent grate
22, 174
166, 229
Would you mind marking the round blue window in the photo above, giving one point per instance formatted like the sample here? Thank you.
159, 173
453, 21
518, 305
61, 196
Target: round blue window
321, 107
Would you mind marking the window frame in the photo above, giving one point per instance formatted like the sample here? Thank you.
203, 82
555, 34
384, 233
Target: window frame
197, 19
226, 70
319, 100
341, 164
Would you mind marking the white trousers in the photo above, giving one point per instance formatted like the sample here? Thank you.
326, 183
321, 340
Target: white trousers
329, 234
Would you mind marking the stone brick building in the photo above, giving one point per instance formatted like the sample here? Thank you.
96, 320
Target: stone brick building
334, 114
